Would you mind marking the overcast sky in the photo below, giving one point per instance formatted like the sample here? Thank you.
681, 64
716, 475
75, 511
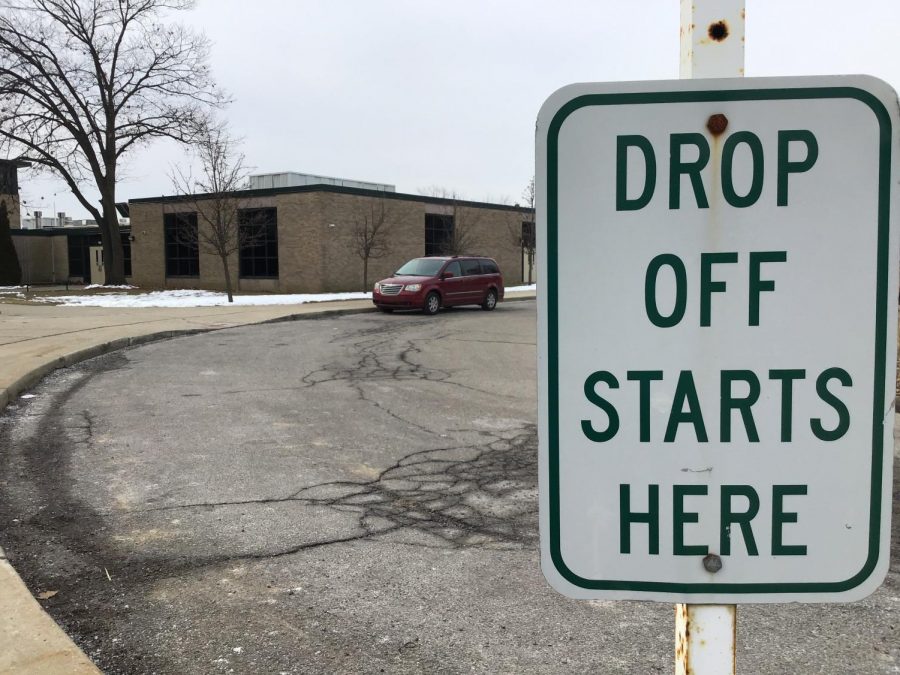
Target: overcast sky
420, 93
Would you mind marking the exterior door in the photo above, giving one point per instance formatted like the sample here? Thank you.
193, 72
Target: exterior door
453, 288
97, 271
473, 288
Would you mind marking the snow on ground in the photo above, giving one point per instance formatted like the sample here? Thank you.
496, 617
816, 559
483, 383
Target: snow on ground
191, 298
96, 286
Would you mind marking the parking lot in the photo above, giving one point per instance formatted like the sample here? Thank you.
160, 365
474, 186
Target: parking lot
346, 494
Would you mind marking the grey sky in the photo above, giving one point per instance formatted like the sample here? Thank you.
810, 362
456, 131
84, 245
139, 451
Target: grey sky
422, 93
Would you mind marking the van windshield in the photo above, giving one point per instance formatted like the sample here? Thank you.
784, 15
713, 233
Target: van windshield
421, 267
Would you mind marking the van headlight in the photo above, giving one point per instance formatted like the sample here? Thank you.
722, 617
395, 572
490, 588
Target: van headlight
412, 288
378, 287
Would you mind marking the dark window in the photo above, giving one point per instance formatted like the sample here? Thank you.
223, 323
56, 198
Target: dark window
77, 265
470, 268
528, 240
259, 243
489, 267
438, 232
79, 246
182, 252
126, 252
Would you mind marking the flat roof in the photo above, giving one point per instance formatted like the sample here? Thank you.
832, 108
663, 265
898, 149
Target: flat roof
56, 231
268, 192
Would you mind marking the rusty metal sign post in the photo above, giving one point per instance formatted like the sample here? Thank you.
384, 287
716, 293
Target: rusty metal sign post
712, 45
718, 265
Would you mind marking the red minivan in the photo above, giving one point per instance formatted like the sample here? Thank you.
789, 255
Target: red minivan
441, 281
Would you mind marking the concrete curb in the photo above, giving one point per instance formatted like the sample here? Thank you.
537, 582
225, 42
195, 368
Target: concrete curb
31, 643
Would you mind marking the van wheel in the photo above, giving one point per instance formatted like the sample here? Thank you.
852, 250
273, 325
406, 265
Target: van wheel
432, 304
490, 301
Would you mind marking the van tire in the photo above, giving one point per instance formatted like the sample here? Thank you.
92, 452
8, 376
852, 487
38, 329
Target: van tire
432, 304
490, 301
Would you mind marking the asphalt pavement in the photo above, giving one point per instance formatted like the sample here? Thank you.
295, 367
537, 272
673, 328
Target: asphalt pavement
347, 494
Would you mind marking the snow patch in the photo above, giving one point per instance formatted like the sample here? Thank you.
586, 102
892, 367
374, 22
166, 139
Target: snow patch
91, 287
194, 298
197, 298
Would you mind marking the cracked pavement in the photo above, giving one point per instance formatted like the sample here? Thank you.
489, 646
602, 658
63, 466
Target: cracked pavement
352, 494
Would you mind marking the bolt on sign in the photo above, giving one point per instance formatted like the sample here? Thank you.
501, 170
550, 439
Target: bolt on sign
717, 338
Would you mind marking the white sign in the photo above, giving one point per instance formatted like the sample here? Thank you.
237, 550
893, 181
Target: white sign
717, 338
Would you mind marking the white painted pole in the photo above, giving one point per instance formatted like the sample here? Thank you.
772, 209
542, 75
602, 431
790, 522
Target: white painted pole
712, 38
712, 45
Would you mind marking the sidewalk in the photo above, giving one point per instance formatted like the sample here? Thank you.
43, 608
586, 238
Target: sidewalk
37, 339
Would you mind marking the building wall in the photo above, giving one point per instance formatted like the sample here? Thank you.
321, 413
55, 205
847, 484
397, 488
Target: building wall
13, 209
44, 260
148, 264
317, 247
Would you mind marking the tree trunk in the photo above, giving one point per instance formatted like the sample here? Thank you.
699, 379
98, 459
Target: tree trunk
111, 237
10, 270
227, 278
365, 274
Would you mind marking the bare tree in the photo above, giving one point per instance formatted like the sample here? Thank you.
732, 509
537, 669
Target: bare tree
371, 234
462, 235
85, 82
212, 195
522, 229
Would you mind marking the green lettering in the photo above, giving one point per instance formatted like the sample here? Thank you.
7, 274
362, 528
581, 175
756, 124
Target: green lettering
686, 392
645, 377
627, 517
758, 285
843, 424
707, 285
653, 313
623, 203
590, 392
744, 405
680, 517
756, 184
786, 166
677, 168
780, 517
742, 519
787, 378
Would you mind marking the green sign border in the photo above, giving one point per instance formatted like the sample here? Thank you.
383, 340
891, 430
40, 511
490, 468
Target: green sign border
878, 399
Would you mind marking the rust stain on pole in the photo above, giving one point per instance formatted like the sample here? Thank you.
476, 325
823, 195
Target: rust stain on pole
718, 30
698, 635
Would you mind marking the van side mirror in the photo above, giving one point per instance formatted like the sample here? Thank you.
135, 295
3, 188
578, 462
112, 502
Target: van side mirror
447, 275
